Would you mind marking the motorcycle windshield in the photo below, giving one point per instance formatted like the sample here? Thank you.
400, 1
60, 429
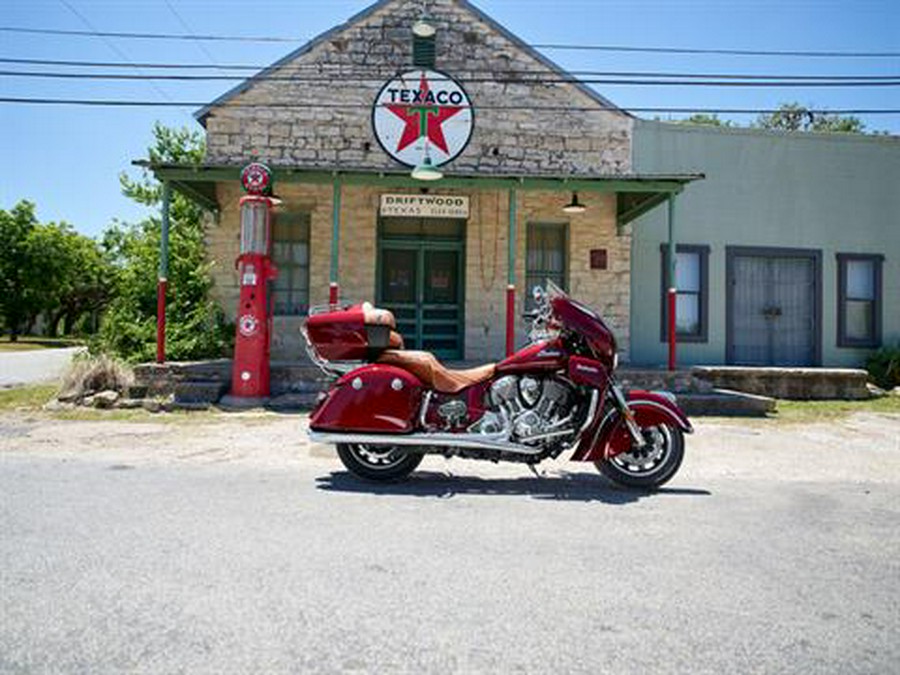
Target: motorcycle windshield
554, 291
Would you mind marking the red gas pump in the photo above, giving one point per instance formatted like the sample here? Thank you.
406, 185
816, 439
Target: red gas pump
250, 375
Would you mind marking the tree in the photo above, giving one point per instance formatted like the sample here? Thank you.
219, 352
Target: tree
707, 120
16, 226
196, 326
47, 268
796, 117
82, 273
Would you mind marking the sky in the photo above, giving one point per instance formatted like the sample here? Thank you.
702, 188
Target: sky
67, 159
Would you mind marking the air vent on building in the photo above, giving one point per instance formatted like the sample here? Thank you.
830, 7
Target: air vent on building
423, 51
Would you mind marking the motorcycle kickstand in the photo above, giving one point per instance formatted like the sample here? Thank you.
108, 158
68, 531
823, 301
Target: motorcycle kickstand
535, 471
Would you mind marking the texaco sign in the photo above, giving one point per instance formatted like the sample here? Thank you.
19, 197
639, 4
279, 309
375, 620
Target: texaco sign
422, 112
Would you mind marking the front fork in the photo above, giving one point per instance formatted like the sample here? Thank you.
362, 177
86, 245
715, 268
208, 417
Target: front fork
633, 429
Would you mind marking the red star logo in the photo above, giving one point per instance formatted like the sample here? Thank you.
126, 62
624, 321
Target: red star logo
424, 119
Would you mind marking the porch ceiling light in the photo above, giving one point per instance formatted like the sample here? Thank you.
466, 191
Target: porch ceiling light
574, 206
426, 171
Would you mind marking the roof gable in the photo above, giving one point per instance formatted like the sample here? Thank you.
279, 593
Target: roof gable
360, 17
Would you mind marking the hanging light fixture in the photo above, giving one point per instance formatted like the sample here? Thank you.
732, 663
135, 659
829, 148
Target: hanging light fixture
426, 170
574, 206
421, 28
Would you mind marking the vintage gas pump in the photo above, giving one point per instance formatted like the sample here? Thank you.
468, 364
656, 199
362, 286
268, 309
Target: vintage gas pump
250, 375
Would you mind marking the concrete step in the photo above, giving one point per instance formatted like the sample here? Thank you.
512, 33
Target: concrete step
726, 403
199, 391
790, 383
677, 381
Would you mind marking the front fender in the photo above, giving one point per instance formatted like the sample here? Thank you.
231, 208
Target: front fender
649, 408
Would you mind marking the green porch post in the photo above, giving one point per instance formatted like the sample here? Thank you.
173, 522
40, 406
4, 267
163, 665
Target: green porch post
163, 274
672, 286
333, 286
511, 277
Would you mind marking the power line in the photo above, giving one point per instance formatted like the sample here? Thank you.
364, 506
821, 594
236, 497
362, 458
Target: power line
109, 43
729, 52
388, 72
549, 46
836, 82
674, 110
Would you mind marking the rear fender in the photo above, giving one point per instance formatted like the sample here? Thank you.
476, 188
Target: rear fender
612, 437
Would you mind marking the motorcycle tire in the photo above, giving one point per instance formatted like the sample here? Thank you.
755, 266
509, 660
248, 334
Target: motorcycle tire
378, 463
650, 467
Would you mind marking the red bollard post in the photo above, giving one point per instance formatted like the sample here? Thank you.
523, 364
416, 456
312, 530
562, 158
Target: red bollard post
672, 296
333, 290
510, 319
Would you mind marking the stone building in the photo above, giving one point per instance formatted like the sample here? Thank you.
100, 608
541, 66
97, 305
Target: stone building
537, 137
787, 253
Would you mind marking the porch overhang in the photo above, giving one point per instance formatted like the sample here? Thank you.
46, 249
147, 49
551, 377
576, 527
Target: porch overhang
636, 194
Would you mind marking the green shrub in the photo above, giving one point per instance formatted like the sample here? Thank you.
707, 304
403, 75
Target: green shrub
884, 367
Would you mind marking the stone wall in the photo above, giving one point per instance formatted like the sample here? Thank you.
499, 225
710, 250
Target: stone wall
485, 265
332, 128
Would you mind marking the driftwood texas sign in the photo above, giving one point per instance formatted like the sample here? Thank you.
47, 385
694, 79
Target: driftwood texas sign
422, 113
424, 206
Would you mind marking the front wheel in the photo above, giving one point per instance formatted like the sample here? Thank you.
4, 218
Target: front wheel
381, 463
650, 466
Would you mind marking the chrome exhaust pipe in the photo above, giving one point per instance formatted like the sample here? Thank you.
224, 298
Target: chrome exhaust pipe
473, 441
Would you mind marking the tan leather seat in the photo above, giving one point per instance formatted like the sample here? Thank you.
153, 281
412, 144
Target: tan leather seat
372, 316
396, 340
433, 373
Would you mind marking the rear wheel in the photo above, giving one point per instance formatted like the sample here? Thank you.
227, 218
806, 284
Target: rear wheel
378, 462
650, 466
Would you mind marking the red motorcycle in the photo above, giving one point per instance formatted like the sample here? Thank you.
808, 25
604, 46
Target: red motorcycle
389, 406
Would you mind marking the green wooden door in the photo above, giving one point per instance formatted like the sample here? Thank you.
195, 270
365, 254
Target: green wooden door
420, 279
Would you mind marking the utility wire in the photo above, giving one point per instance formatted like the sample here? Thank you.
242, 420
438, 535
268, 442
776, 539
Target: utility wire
607, 48
185, 25
723, 111
388, 72
879, 82
112, 45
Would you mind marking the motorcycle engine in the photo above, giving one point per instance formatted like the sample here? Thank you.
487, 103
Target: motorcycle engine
534, 407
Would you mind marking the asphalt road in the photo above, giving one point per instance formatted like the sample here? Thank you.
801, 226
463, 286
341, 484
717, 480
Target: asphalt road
235, 548
40, 365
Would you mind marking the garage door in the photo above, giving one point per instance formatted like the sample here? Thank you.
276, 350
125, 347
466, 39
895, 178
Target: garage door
773, 311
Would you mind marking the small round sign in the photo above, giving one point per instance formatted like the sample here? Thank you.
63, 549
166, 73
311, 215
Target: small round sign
248, 325
423, 113
256, 178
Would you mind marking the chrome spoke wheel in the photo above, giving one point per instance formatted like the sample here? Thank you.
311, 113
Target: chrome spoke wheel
645, 460
649, 466
379, 457
378, 462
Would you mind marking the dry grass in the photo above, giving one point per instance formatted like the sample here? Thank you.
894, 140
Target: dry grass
28, 398
28, 343
92, 374
803, 412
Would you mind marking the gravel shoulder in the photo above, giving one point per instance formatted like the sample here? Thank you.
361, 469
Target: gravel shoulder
862, 446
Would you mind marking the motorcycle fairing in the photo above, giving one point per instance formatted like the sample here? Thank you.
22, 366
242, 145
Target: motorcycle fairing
609, 436
546, 356
374, 398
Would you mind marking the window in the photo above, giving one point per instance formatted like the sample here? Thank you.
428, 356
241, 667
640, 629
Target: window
290, 253
692, 298
545, 257
859, 300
